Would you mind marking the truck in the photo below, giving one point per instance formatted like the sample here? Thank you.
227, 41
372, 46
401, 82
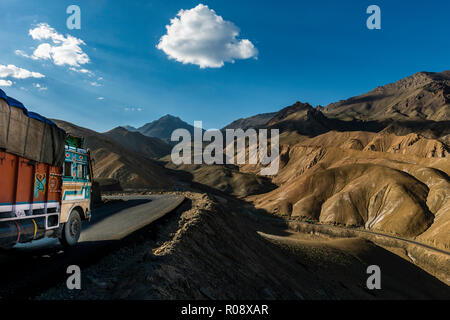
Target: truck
45, 178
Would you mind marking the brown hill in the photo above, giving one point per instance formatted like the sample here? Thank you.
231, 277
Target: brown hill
225, 178
390, 192
422, 96
301, 118
410, 144
355, 195
148, 147
114, 161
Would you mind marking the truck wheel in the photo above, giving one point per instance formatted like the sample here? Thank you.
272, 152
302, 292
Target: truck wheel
71, 230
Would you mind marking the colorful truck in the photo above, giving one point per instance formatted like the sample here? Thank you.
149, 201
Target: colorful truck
45, 178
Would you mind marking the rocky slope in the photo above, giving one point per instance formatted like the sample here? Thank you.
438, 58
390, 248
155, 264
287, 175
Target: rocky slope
402, 194
212, 249
411, 144
422, 96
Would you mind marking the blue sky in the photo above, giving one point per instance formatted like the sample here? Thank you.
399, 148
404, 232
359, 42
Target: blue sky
310, 51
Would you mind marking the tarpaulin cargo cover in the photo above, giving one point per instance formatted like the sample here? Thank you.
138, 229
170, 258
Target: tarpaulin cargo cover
28, 134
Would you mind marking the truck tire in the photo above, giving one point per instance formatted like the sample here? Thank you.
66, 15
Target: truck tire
71, 230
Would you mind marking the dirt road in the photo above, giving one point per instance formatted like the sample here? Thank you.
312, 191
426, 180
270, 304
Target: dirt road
130, 219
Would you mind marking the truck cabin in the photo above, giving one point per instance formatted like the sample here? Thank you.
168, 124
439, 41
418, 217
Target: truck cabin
76, 163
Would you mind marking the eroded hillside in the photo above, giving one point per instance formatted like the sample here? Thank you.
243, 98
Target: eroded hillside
400, 191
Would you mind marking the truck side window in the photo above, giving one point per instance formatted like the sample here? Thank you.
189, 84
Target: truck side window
80, 171
86, 172
68, 169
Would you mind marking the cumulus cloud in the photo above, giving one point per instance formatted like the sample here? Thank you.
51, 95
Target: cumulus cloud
11, 70
199, 36
61, 50
5, 83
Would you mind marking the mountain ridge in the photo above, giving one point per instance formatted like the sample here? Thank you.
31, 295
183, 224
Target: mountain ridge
421, 96
163, 127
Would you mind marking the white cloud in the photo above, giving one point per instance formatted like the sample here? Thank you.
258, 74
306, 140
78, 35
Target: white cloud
5, 83
95, 84
82, 70
39, 87
22, 53
133, 109
18, 73
61, 50
199, 36
43, 51
100, 98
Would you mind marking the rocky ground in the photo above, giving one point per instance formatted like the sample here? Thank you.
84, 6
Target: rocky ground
213, 248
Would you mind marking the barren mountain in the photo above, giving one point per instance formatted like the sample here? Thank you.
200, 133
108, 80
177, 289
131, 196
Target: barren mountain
301, 120
417, 104
378, 161
148, 147
163, 127
130, 128
256, 121
422, 96
113, 161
